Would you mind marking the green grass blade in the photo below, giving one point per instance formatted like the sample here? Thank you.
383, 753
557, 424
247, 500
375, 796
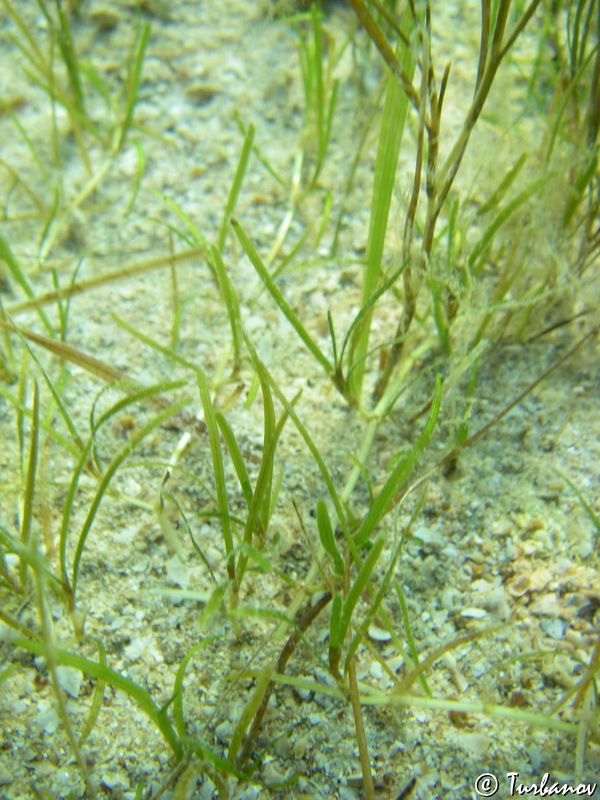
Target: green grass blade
132, 83
28, 498
336, 638
360, 584
178, 685
374, 605
322, 468
273, 290
158, 420
388, 149
270, 438
198, 238
260, 507
218, 471
327, 537
236, 457
212, 604
410, 638
98, 696
236, 186
248, 713
232, 304
595, 519
139, 174
166, 351
503, 186
113, 678
69, 56
477, 254
14, 267
401, 471
10, 544
361, 319
78, 442
581, 183
258, 153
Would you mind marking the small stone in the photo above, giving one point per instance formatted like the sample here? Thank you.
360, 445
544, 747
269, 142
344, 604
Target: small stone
378, 634
200, 94
300, 747
70, 680
475, 743
6, 777
104, 18
473, 613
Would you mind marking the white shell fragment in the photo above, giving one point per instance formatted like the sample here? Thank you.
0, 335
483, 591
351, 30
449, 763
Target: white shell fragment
377, 634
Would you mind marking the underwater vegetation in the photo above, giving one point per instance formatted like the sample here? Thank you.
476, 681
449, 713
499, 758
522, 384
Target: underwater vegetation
298, 398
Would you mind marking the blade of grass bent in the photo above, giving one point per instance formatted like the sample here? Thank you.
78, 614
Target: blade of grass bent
120, 274
236, 457
236, 185
218, 471
14, 267
107, 477
115, 679
273, 290
401, 471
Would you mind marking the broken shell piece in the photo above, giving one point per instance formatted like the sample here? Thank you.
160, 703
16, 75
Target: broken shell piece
473, 613
377, 634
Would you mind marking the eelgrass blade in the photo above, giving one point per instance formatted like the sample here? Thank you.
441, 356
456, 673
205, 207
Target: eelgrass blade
206, 755
360, 584
361, 318
14, 267
503, 186
374, 605
67, 51
270, 438
98, 696
36, 157
139, 174
248, 713
215, 600
158, 420
218, 471
28, 497
476, 256
341, 514
113, 678
10, 544
260, 507
236, 185
580, 185
113, 276
194, 231
148, 340
410, 638
587, 506
236, 457
232, 303
132, 83
401, 471
178, 685
57, 398
336, 634
258, 153
327, 537
273, 290
388, 149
